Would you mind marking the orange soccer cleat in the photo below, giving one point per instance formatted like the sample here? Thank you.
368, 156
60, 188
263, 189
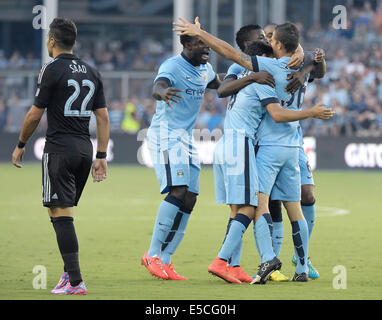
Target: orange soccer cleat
220, 269
240, 274
172, 274
155, 266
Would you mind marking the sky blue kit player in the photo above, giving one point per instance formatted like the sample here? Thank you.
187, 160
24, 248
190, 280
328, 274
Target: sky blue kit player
179, 88
235, 162
235, 170
170, 134
280, 166
278, 155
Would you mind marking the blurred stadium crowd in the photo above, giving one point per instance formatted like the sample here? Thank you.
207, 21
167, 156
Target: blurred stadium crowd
352, 86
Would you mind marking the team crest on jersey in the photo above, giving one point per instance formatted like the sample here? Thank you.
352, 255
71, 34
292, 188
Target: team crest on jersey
204, 75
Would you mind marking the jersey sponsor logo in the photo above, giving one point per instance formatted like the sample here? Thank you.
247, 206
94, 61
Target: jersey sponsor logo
195, 92
180, 173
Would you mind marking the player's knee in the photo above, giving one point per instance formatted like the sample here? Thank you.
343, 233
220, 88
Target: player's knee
179, 192
307, 195
247, 210
190, 201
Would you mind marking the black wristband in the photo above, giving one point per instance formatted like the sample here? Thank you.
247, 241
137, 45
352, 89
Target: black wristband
101, 155
21, 144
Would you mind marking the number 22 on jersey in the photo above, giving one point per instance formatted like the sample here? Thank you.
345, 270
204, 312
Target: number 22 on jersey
68, 112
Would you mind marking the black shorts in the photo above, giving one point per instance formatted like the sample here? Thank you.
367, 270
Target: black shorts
63, 178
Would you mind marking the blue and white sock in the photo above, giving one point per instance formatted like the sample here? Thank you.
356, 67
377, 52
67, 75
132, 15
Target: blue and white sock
163, 223
175, 236
309, 211
263, 237
234, 236
300, 235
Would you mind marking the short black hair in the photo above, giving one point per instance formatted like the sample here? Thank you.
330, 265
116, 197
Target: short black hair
64, 31
244, 33
288, 35
258, 48
185, 38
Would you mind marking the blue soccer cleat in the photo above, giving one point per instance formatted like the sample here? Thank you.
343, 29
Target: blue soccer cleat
312, 272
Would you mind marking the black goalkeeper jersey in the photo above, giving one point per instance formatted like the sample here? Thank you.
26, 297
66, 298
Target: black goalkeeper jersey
70, 90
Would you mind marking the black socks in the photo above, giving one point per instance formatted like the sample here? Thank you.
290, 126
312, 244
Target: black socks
68, 245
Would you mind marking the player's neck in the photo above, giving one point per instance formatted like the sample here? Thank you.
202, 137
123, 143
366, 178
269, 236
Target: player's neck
186, 56
58, 52
283, 53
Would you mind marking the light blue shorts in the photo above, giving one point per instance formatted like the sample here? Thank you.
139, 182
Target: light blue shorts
177, 165
235, 171
305, 170
279, 172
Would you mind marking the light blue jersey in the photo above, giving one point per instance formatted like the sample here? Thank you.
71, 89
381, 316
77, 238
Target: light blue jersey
247, 108
235, 170
169, 138
278, 155
181, 74
270, 132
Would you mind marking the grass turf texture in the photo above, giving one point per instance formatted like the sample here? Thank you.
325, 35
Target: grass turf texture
114, 222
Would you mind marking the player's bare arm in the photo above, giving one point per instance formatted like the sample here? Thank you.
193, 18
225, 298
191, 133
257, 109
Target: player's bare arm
279, 114
319, 64
161, 91
231, 86
215, 84
99, 169
221, 47
31, 121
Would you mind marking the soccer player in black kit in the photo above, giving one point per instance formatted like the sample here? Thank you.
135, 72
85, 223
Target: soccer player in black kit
70, 90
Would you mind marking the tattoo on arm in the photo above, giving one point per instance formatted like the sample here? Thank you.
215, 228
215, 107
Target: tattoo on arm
246, 61
245, 58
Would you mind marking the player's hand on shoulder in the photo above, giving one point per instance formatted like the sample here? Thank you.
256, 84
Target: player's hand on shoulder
99, 170
263, 77
319, 55
17, 156
321, 112
296, 81
297, 58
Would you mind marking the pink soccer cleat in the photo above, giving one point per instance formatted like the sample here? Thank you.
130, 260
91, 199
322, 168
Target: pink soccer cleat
59, 288
80, 289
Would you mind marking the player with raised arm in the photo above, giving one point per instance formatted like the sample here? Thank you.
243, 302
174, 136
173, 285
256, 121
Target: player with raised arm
235, 171
284, 43
70, 90
179, 88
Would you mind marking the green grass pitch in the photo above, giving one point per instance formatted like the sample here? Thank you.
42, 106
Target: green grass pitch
114, 222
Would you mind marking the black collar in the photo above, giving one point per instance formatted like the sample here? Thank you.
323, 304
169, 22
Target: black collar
189, 60
67, 56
